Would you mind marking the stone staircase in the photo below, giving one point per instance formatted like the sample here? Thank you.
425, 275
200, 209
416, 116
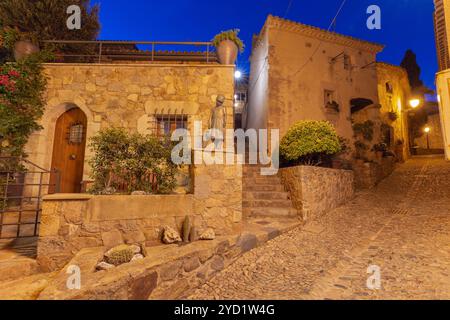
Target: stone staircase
265, 196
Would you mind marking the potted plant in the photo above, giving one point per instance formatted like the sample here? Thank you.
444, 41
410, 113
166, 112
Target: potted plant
360, 149
333, 106
392, 116
380, 149
22, 44
228, 45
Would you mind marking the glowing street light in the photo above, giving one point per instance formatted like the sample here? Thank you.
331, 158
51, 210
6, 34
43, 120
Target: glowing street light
414, 103
237, 74
427, 131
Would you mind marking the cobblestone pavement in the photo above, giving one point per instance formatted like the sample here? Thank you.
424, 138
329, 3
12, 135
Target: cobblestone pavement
402, 226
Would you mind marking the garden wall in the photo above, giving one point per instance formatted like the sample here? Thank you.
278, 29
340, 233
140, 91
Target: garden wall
315, 190
71, 222
369, 174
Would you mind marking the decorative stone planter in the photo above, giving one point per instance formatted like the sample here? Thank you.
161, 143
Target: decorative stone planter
227, 52
23, 49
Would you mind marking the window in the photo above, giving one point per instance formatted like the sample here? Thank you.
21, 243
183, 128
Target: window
329, 97
347, 62
389, 88
330, 101
167, 124
76, 133
240, 96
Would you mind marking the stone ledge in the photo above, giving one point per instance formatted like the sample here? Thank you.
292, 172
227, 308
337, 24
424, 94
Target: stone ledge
168, 272
158, 65
68, 196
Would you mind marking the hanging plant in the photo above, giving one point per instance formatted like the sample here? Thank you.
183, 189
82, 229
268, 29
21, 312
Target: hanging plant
365, 129
392, 116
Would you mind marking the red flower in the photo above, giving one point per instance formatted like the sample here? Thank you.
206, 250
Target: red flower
14, 73
4, 80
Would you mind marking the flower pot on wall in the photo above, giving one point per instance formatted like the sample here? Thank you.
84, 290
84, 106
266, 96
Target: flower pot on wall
23, 49
336, 164
227, 52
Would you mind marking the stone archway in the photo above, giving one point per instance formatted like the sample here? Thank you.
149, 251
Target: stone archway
41, 143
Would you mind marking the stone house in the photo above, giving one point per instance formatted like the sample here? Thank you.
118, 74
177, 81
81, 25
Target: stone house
394, 93
146, 97
301, 72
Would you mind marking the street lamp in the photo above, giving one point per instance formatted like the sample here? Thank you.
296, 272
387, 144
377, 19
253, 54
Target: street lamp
237, 74
414, 103
427, 131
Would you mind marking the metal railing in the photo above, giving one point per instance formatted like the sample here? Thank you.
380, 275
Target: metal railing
21, 192
101, 51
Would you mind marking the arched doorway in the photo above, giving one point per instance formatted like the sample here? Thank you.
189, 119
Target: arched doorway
69, 147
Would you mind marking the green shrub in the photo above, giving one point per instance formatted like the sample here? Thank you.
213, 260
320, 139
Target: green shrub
121, 158
365, 129
229, 35
309, 142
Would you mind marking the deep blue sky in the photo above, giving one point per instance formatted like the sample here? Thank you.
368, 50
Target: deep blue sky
405, 23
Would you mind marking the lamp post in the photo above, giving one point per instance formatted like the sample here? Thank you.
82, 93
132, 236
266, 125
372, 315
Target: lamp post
427, 131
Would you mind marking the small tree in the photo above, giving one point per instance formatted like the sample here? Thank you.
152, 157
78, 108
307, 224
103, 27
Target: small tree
310, 142
46, 19
127, 159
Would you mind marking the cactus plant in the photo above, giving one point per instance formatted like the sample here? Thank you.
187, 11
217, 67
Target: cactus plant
119, 255
186, 229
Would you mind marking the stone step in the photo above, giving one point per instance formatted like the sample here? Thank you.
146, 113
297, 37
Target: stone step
267, 203
256, 174
270, 212
257, 195
263, 188
262, 180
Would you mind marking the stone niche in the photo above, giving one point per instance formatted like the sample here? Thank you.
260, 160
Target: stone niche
316, 190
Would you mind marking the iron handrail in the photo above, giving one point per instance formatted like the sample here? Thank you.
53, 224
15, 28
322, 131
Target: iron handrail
151, 54
26, 161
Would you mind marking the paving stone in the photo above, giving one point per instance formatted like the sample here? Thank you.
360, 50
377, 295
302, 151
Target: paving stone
329, 258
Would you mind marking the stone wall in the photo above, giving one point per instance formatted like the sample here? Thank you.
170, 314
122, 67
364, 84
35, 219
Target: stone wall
167, 272
316, 190
72, 222
369, 174
127, 96
435, 139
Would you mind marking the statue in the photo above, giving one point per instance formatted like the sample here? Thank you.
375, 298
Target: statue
218, 120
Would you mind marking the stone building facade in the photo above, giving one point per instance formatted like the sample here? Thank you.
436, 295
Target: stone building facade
129, 96
394, 93
300, 72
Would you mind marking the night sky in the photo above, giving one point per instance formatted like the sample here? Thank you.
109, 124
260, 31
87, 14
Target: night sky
405, 23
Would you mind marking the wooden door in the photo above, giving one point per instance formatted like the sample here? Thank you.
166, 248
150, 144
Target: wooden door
68, 151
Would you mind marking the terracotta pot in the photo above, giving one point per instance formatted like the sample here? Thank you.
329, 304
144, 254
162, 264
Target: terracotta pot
337, 164
23, 49
227, 52
379, 156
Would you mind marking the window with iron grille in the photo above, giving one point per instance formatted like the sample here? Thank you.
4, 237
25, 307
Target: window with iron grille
167, 124
76, 133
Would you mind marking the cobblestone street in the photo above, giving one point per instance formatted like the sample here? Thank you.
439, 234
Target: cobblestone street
402, 226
